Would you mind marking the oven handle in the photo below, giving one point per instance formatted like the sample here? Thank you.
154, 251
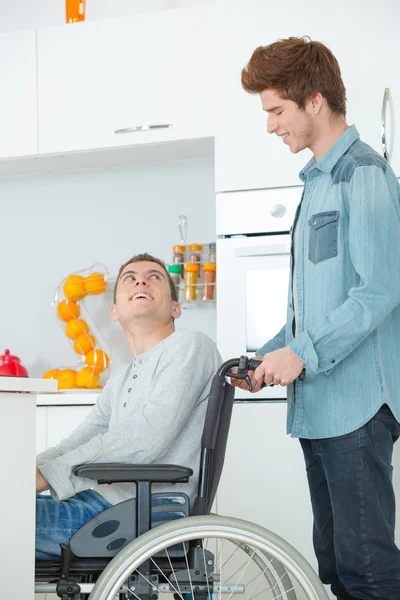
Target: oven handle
262, 250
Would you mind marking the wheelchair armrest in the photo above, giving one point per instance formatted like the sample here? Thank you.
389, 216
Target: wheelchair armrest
123, 473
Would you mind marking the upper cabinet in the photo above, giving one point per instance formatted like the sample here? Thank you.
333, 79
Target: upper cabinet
121, 82
18, 106
363, 36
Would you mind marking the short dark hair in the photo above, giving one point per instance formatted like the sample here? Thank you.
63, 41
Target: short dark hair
147, 258
296, 68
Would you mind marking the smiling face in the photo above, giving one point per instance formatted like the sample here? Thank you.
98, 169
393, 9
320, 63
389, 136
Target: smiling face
143, 292
294, 126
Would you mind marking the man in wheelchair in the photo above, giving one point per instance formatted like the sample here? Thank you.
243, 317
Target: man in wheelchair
151, 411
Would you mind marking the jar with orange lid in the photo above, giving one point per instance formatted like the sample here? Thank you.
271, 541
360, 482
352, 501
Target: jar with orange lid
179, 255
209, 276
190, 282
75, 10
195, 253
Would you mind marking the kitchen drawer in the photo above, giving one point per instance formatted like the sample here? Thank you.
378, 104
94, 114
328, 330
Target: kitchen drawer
257, 211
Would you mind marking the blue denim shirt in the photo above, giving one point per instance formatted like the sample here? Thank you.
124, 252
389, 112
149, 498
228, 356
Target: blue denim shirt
347, 272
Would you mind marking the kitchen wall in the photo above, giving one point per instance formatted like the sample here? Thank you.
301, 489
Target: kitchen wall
54, 225
25, 14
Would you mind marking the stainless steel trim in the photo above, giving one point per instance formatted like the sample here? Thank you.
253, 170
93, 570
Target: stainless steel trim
383, 124
138, 128
262, 250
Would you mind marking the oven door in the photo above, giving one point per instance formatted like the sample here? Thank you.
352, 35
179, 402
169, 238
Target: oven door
252, 283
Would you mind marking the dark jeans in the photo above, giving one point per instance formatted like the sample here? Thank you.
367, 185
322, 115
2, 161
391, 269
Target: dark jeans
350, 481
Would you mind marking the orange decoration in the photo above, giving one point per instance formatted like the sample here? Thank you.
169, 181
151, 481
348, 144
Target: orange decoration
75, 327
52, 374
83, 343
74, 287
98, 360
67, 309
87, 378
95, 283
66, 379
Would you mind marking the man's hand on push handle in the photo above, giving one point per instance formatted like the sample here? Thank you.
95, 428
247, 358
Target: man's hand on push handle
279, 367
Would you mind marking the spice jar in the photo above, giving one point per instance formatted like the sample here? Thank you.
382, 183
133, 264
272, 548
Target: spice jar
195, 252
191, 277
176, 273
212, 253
209, 276
179, 255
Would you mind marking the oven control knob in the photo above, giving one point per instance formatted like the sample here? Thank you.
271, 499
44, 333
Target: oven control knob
278, 210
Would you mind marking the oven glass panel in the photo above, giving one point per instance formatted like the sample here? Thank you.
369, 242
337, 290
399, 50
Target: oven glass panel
266, 294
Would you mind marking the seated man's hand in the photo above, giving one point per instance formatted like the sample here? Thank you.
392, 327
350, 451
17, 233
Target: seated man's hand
241, 383
279, 367
41, 483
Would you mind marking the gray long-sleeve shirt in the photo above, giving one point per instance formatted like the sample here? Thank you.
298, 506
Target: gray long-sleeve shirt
149, 412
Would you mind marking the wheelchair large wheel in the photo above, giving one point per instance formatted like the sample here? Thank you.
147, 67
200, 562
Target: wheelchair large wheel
209, 556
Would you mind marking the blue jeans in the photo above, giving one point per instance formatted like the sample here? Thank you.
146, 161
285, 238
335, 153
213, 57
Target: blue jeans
58, 520
350, 481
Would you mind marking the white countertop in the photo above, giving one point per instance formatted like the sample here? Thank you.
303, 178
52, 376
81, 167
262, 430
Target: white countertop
68, 398
27, 385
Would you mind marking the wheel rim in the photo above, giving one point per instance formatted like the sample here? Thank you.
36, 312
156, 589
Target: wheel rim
293, 575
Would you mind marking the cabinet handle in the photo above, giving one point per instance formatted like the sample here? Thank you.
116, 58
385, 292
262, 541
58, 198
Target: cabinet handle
383, 124
141, 128
278, 210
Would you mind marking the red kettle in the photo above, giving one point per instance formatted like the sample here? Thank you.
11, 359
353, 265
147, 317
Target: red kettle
10, 366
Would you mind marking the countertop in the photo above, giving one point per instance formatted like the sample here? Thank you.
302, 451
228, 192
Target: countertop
68, 398
28, 385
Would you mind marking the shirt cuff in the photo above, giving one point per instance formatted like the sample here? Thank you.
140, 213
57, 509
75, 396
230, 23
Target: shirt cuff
303, 347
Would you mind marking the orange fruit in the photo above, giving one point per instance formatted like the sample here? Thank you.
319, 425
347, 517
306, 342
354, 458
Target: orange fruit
97, 359
74, 287
83, 343
95, 283
67, 309
75, 327
66, 379
87, 378
52, 374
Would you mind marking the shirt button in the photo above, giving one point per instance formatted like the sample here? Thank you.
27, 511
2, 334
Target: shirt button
334, 361
129, 389
124, 404
134, 377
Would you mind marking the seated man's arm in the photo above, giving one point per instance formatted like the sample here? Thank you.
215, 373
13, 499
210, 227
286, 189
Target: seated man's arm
182, 380
96, 422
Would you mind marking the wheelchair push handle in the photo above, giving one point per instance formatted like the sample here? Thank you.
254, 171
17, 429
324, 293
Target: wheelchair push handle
246, 364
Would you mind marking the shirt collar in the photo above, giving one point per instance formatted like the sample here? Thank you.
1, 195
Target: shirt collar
335, 152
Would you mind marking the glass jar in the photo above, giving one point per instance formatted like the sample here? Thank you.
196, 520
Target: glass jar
209, 276
212, 253
176, 274
179, 255
195, 253
191, 277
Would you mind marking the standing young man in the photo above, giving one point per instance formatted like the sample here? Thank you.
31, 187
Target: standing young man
343, 322
151, 411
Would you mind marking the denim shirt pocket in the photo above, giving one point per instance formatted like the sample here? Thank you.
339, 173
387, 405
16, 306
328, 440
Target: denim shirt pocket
323, 236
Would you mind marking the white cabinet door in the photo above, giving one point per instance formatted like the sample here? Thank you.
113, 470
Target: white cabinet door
62, 420
264, 477
147, 70
18, 105
41, 429
246, 156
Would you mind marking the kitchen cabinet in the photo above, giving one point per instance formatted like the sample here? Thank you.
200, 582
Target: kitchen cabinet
249, 158
18, 106
121, 82
53, 423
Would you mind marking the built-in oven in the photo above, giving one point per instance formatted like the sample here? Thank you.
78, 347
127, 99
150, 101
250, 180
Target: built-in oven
253, 256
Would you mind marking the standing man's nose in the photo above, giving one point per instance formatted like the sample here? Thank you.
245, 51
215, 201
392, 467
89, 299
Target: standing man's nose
272, 124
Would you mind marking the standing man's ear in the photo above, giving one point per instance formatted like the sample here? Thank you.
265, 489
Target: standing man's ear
113, 312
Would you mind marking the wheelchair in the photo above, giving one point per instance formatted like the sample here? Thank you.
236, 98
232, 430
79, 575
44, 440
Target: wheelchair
126, 553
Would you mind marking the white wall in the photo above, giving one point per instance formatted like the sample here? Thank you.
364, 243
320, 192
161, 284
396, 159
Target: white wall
28, 14
55, 225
